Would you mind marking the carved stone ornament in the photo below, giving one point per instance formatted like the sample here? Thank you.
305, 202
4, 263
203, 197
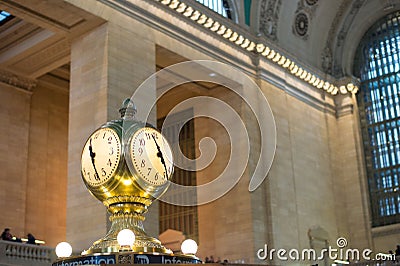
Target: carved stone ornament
301, 24
269, 15
311, 2
17, 81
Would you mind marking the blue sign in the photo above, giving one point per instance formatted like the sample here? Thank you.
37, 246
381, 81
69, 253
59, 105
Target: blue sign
126, 258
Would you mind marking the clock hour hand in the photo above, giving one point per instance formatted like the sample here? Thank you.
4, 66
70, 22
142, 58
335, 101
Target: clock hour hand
160, 155
92, 155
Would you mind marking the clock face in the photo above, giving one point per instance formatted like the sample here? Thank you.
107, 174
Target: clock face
100, 156
151, 156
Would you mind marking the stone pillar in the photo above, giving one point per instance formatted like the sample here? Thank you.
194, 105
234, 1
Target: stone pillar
107, 65
350, 183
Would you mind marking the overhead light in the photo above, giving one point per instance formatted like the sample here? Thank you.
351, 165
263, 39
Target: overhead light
276, 57
215, 27
181, 8
174, 4
260, 47
195, 16
282, 60
304, 74
221, 30
299, 71
271, 54
287, 63
188, 12
202, 19
294, 69
326, 85
234, 37
251, 46
227, 34
321, 84
240, 41
266, 51
209, 23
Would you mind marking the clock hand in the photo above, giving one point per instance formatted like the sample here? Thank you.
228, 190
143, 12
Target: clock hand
160, 155
92, 155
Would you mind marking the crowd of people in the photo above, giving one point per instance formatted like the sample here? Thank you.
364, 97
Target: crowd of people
211, 260
6, 235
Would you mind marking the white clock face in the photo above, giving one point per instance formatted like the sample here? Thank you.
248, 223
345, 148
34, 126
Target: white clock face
100, 156
151, 156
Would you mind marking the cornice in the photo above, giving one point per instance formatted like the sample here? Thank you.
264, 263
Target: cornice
252, 50
16, 81
386, 230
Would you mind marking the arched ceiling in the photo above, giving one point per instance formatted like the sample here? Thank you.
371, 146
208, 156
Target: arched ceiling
322, 34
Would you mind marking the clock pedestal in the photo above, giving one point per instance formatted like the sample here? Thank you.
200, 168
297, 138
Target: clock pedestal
127, 215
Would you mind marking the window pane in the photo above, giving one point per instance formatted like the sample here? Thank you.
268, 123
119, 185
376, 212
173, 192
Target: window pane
220, 6
380, 116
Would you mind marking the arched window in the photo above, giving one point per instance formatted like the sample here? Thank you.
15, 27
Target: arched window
377, 65
222, 7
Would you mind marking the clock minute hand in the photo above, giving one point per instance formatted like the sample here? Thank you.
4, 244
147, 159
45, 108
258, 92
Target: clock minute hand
92, 155
160, 155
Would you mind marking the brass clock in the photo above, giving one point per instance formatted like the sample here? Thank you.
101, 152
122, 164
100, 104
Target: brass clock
151, 157
101, 156
126, 164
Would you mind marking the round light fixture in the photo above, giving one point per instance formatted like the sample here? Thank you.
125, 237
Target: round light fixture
126, 238
63, 250
189, 246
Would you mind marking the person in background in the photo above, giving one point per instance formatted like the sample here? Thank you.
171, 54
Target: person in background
31, 239
397, 251
6, 235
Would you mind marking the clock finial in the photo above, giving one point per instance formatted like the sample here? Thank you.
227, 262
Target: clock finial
128, 109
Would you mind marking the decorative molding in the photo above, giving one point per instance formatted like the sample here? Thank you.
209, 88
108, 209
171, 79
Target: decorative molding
234, 35
331, 35
19, 82
300, 25
303, 16
336, 37
269, 16
311, 2
337, 69
386, 230
44, 57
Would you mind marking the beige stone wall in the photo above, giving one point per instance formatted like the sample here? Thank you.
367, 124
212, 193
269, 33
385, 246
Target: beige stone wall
14, 143
47, 164
299, 185
34, 163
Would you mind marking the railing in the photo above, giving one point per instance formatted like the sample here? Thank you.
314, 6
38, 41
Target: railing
14, 253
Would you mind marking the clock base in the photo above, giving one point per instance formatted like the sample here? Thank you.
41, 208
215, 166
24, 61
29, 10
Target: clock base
133, 221
127, 257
